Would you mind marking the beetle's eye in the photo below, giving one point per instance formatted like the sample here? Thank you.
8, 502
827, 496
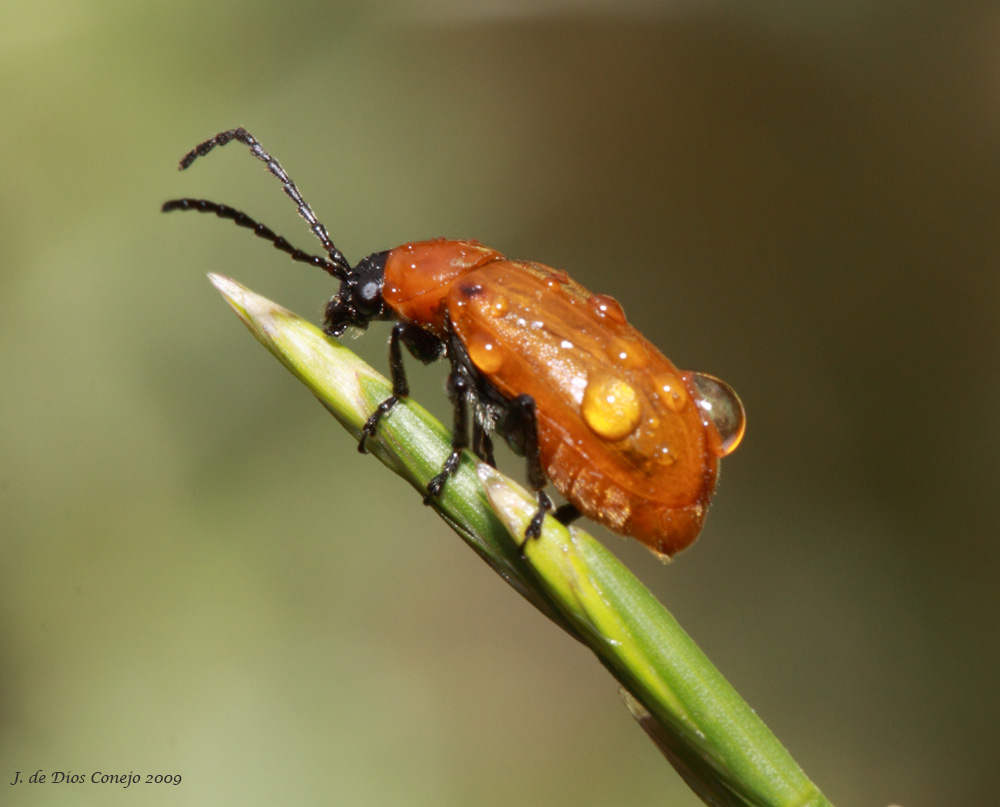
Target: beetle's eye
369, 293
722, 406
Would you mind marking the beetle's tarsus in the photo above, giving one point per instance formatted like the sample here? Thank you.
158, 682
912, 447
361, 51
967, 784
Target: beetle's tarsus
371, 425
436, 485
534, 529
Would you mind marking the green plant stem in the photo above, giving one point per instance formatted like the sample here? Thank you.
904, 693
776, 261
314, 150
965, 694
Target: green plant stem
715, 741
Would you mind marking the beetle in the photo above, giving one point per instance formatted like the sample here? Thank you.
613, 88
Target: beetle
629, 440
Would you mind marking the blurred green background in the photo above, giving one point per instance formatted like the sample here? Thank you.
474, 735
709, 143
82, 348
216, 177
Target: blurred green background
200, 575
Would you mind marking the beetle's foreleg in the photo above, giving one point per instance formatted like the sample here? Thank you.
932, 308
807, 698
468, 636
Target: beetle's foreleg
400, 386
423, 345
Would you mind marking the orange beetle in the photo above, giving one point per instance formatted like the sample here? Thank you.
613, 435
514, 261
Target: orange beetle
629, 440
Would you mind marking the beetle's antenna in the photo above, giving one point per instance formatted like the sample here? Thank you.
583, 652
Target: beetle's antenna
241, 219
241, 134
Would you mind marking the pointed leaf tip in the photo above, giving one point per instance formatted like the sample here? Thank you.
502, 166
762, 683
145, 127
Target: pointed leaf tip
239, 296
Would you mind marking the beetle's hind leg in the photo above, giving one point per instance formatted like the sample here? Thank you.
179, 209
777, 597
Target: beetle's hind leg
519, 426
421, 344
535, 525
566, 514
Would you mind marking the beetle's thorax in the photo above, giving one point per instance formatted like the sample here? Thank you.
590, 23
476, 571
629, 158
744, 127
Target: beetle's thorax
418, 276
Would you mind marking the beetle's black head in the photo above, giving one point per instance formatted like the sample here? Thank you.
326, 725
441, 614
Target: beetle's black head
359, 300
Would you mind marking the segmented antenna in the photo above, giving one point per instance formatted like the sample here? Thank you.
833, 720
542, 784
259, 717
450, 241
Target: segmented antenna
243, 136
243, 220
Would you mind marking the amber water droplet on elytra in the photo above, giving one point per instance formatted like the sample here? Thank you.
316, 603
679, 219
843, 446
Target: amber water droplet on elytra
490, 304
499, 305
663, 455
722, 406
671, 392
611, 407
605, 306
631, 355
484, 352
554, 279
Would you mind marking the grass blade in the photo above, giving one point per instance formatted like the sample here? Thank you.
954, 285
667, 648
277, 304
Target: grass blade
715, 741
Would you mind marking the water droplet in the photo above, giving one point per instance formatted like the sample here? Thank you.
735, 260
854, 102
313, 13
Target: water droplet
605, 306
611, 407
722, 406
555, 278
671, 392
490, 304
630, 354
499, 306
484, 352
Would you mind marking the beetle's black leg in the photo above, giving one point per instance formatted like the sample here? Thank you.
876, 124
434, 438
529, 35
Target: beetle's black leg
400, 386
535, 526
520, 425
566, 514
423, 345
482, 443
460, 389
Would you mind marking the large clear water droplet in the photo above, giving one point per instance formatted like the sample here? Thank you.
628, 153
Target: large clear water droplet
722, 406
